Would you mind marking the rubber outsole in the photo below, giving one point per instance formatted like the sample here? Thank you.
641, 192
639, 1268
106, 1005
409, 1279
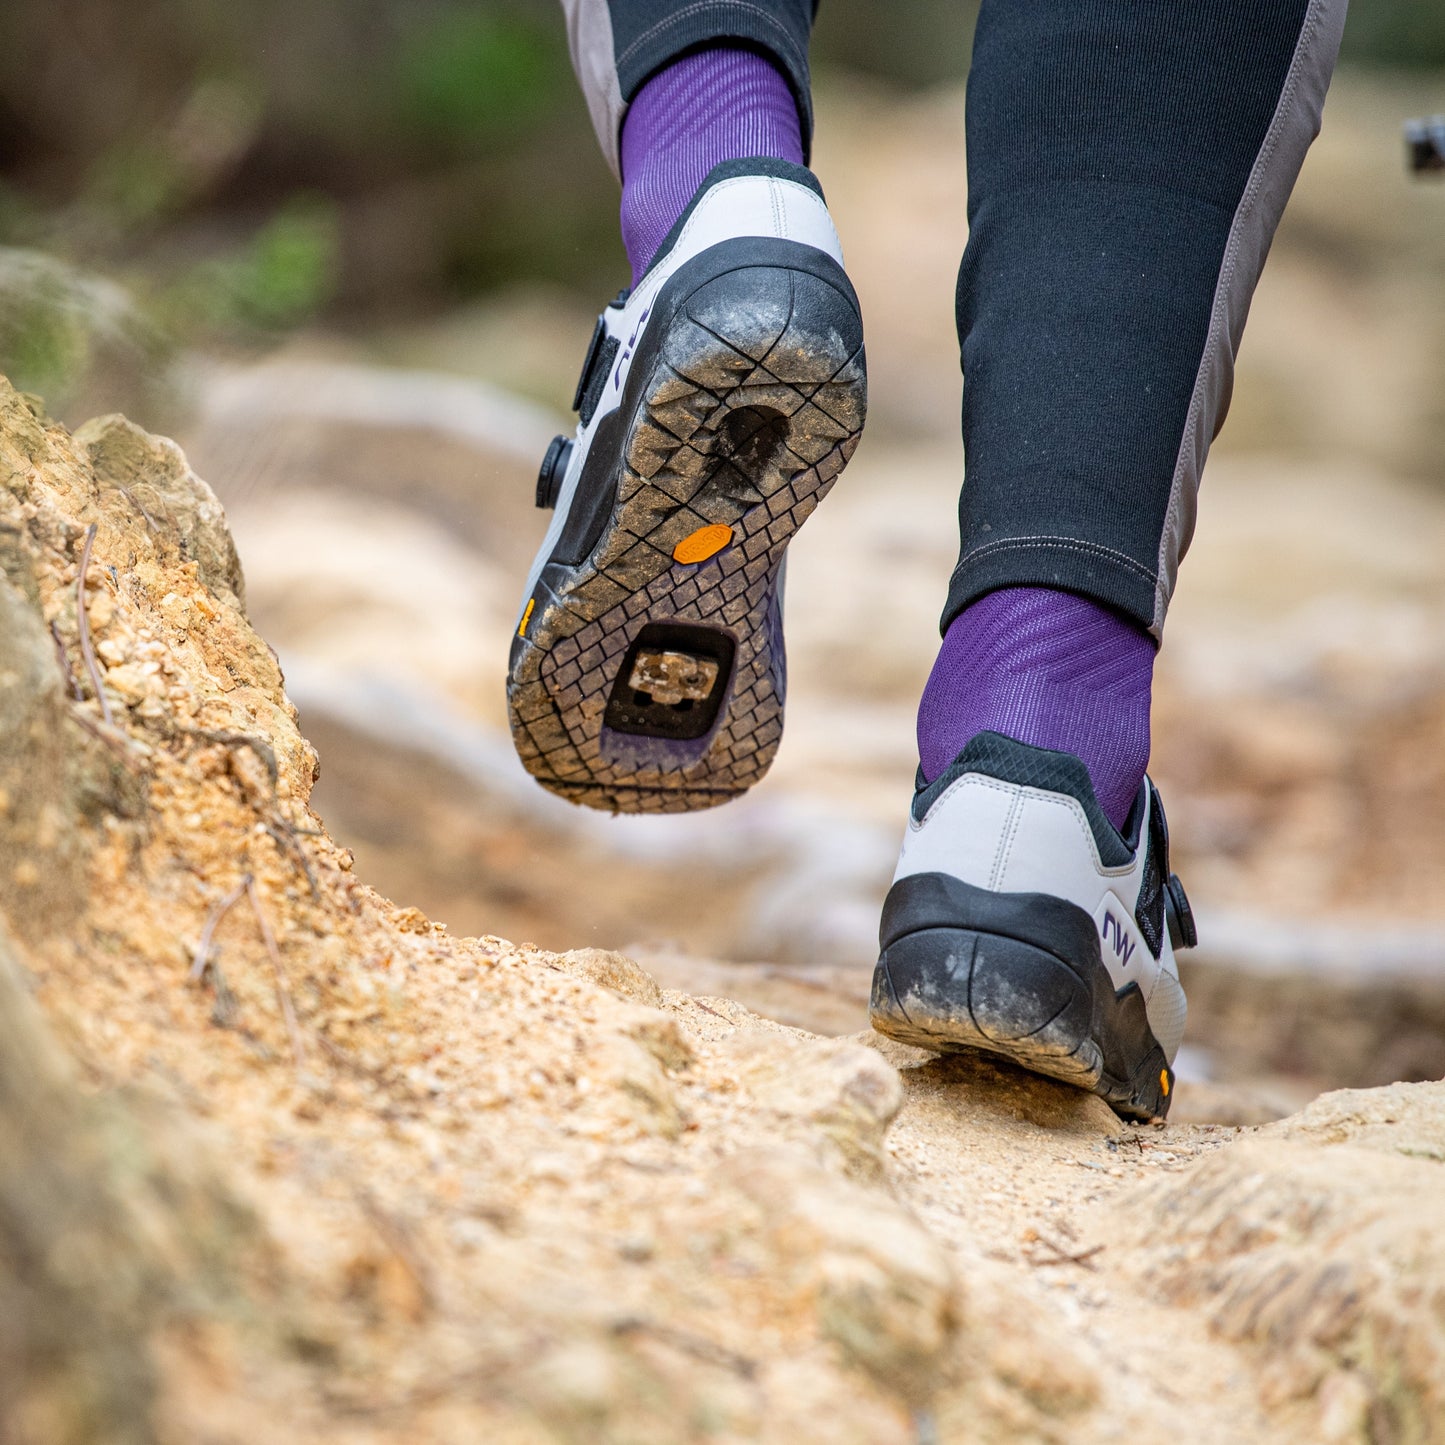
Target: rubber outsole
956, 988
749, 408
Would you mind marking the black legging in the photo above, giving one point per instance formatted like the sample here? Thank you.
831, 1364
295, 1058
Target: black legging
1128, 161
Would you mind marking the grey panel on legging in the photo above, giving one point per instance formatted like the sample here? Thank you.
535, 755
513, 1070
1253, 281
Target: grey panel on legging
1295, 125
1128, 162
617, 44
594, 58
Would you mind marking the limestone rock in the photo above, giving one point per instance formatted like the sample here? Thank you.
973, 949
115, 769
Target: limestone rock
883, 1288
1023, 1373
153, 476
44, 768
661, 1034
633, 1086
1402, 1119
112, 1229
614, 971
1320, 1242
461, 1189
842, 1097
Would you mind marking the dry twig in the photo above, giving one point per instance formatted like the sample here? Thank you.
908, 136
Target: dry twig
343, 1058
1061, 1255
82, 622
203, 948
63, 657
285, 836
283, 987
131, 753
140, 507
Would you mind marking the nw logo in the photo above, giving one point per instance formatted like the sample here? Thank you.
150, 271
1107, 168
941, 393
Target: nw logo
627, 350
1121, 943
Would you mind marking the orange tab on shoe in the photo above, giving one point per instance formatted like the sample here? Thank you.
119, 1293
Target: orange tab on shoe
704, 543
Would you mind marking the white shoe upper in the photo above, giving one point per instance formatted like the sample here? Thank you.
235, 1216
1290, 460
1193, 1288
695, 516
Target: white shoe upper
1015, 838
733, 208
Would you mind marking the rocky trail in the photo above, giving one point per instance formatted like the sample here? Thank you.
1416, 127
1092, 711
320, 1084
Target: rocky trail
281, 1159
380, 488
284, 1159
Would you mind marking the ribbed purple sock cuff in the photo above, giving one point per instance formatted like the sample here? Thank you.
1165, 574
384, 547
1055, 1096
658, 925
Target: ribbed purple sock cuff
712, 106
1049, 669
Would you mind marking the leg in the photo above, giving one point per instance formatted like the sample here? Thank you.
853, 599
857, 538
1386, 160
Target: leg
618, 45
1128, 164
675, 89
711, 106
719, 400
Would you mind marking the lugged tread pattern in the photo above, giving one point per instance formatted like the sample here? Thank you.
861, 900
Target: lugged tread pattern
754, 404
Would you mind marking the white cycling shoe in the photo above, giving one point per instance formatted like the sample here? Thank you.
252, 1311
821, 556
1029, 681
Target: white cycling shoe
718, 402
1023, 923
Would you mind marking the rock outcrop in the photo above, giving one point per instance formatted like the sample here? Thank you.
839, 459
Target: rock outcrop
1320, 1244
493, 1193
281, 1160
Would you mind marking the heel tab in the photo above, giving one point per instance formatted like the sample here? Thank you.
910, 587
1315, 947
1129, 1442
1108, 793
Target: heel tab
769, 166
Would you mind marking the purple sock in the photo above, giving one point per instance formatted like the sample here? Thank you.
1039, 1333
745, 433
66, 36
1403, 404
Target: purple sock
1049, 669
712, 106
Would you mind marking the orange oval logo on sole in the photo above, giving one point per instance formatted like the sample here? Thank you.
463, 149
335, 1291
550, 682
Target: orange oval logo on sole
704, 543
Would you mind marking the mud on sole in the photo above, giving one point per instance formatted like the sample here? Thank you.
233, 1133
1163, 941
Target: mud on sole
649, 674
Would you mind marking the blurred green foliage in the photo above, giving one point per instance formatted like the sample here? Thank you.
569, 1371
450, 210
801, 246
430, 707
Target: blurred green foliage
1408, 34
42, 338
467, 78
282, 276
909, 42
164, 133
289, 270
71, 337
244, 168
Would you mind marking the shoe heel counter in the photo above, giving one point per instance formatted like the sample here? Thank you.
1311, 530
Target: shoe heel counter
768, 206
963, 833
1052, 849
1009, 838
1016, 839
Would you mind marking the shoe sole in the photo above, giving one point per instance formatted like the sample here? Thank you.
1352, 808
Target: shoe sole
1019, 976
749, 405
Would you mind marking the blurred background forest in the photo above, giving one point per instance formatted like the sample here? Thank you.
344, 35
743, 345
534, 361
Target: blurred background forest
242, 169
349, 252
